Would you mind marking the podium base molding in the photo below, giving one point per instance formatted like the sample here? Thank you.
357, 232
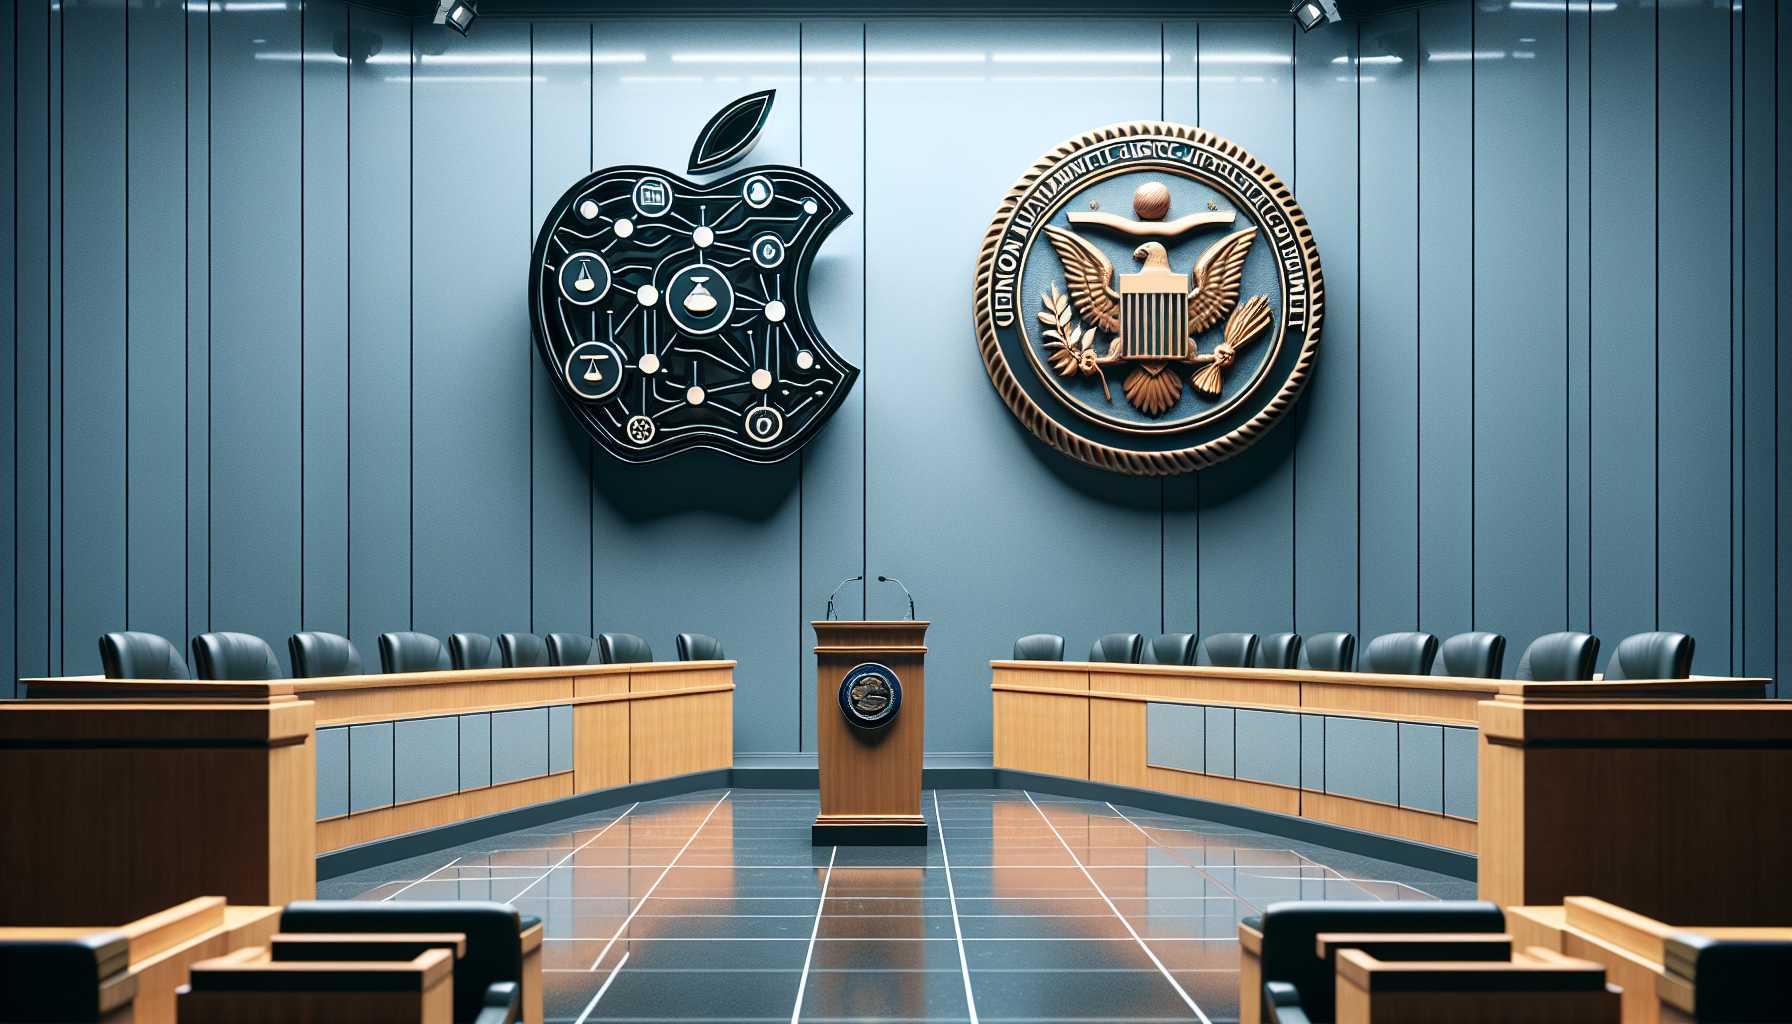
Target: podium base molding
872, 830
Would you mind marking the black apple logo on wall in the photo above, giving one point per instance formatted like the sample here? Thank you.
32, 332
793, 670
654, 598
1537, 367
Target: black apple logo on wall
674, 315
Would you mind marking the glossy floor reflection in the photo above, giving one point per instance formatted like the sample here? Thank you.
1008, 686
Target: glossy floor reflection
1022, 907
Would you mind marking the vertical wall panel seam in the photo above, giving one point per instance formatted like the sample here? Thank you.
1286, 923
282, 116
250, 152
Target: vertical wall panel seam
304, 521
865, 320
1656, 300
61, 637
1163, 485
1474, 428
348, 322
528, 374
1418, 321
590, 445
410, 163
125, 525
801, 460
210, 384
1567, 317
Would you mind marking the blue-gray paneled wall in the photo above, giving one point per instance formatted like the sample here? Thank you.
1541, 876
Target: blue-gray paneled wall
263, 301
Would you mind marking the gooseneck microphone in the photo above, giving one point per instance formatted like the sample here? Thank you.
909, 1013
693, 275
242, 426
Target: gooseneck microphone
836, 593
905, 590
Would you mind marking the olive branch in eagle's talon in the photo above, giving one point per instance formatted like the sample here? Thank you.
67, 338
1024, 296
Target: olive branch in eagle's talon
1072, 346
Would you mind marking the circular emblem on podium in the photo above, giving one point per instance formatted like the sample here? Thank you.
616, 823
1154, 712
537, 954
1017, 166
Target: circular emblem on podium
870, 695
1148, 299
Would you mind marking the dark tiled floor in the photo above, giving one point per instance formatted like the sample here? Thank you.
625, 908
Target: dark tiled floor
1022, 907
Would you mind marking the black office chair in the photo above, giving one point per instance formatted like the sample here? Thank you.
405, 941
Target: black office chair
570, 649
472, 650
623, 648
1735, 981
1559, 657
698, 647
1119, 648
1228, 650
62, 979
1659, 655
315, 655
1278, 650
1329, 652
522, 650
1039, 647
234, 656
1401, 654
1477, 655
411, 652
494, 931
1300, 986
1171, 649
141, 656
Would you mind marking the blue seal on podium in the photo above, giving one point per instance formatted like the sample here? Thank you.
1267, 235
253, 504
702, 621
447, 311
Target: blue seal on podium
870, 695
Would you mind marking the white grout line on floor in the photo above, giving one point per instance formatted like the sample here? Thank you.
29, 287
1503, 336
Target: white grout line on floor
605, 987
821, 904
425, 878
964, 965
574, 852
656, 882
1129, 928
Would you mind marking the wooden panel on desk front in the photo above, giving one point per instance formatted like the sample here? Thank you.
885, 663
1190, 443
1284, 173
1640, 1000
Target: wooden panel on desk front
1661, 807
336, 833
600, 745
124, 810
1388, 820
1041, 733
870, 774
679, 735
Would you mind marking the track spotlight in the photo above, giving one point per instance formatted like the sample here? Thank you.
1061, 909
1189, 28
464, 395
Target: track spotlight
457, 14
1313, 13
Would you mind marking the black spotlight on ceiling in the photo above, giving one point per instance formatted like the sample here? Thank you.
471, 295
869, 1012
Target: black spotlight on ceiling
1313, 13
457, 14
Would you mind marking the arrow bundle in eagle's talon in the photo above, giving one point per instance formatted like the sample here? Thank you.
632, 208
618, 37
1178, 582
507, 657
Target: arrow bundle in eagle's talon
1248, 321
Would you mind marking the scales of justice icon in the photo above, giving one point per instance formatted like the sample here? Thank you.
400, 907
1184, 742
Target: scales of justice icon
699, 301
584, 282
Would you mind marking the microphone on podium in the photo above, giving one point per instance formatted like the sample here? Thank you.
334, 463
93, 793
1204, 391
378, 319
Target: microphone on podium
836, 593
905, 590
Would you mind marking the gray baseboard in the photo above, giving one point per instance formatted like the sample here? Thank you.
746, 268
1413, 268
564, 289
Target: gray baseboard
956, 772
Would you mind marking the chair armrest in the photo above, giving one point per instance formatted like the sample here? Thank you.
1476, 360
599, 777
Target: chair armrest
1282, 1000
501, 1004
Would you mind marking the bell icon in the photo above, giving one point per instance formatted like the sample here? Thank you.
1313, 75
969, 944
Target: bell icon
584, 283
699, 301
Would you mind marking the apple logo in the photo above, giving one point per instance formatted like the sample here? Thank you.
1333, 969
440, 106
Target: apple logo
674, 315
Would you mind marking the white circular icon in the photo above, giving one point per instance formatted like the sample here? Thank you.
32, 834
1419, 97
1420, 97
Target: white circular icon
774, 311
588, 210
649, 363
640, 429
762, 379
805, 359
652, 196
703, 237
757, 191
694, 395
768, 250
764, 424
809, 206
594, 370
623, 227
647, 295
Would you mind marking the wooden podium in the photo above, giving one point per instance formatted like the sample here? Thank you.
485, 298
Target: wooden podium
870, 753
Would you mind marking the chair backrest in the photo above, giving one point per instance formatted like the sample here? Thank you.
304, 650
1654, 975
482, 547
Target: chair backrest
1737, 981
1477, 655
1120, 648
411, 652
1039, 647
141, 656
622, 648
1559, 657
1329, 652
522, 650
1171, 649
1403, 654
472, 650
1659, 655
1290, 930
493, 931
64, 979
1278, 650
570, 649
234, 656
1228, 650
698, 647
322, 654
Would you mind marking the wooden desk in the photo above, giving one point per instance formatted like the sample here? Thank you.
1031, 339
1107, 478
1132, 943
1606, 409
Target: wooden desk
1536, 986
247, 986
162, 946
1667, 808
1394, 755
146, 793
